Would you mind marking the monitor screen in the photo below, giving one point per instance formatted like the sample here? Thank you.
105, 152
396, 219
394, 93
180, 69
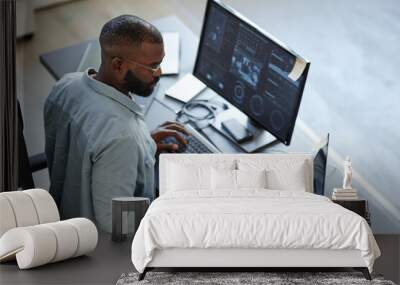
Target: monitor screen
320, 163
249, 68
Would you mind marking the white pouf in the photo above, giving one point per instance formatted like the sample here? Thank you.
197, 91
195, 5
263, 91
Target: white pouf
37, 245
32, 233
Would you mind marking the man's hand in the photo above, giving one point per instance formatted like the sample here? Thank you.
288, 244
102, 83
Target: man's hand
169, 129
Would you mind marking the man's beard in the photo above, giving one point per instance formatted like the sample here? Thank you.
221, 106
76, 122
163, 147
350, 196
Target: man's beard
136, 86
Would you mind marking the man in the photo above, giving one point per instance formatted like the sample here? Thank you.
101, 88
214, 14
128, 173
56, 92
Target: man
97, 143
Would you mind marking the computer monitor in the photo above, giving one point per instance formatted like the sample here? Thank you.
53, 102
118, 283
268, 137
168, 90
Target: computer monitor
256, 73
320, 165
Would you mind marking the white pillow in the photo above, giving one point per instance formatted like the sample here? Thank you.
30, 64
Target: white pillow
226, 179
283, 173
182, 177
223, 179
251, 178
293, 179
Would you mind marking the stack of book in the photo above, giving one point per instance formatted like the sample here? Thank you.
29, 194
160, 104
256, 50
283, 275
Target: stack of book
344, 194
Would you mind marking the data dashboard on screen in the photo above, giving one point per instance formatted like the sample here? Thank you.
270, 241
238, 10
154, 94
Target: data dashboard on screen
252, 70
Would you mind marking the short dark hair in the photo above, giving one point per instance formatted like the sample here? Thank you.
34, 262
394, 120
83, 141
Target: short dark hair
128, 30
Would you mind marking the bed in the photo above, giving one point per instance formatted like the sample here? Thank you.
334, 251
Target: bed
247, 211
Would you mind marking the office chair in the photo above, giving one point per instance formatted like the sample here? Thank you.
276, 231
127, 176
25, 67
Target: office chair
27, 165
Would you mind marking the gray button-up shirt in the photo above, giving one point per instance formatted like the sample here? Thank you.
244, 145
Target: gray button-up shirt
98, 147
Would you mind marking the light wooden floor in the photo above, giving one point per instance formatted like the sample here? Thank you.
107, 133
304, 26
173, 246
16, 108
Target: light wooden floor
352, 92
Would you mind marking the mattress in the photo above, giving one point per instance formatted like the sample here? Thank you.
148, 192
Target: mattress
250, 219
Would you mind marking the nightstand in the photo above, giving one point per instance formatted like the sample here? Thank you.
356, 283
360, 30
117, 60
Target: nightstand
357, 206
121, 207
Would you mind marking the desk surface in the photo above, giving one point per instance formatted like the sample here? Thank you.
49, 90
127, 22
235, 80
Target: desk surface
102, 266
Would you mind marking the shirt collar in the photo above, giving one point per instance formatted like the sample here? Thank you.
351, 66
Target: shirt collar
111, 92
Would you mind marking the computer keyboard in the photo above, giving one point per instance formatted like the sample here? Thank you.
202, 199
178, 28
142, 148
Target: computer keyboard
196, 143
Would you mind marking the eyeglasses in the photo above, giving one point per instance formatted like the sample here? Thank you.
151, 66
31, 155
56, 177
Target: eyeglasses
152, 70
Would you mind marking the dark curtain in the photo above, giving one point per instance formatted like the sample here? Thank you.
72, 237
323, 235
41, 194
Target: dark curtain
8, 100
25, 179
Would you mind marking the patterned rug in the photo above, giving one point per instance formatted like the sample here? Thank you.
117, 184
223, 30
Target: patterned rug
243, 278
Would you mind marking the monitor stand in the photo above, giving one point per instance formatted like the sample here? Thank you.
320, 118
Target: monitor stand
261, 137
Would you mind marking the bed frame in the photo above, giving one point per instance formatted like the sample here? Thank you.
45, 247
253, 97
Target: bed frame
248, 259
260, 259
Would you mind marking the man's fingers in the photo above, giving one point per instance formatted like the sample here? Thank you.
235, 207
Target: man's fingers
167, 147
172, 133
167, 123
177, 127
179, 138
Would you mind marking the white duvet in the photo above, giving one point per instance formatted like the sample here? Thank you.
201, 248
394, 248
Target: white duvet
252, 218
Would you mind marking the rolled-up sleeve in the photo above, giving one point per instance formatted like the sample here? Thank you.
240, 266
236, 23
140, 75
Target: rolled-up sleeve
114, 174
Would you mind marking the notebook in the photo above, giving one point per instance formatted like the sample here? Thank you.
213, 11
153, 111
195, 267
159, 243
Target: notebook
185, 88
